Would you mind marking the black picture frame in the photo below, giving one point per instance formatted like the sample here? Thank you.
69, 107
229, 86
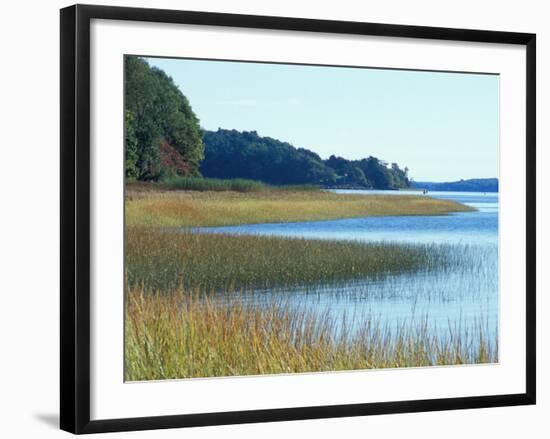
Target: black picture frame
75, 217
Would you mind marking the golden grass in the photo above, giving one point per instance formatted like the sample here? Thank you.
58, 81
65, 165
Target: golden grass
196, 209
173, 330
182, 335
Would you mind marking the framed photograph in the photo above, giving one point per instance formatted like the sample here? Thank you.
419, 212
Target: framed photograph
273, 218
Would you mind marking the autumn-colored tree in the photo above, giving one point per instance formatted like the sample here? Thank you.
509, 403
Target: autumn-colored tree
171, 161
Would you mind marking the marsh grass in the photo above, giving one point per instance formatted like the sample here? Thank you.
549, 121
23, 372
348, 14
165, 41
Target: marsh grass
211, 184
185, 334
166, 260
201, 184
177, 327
164, 208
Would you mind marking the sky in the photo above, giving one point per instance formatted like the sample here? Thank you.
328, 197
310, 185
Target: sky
442, 126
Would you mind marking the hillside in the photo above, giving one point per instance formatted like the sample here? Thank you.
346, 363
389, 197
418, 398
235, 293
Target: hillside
163, 139
235, 154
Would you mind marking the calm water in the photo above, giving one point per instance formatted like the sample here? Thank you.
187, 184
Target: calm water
479, 227
460, 297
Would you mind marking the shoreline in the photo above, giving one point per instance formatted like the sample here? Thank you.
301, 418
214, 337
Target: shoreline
178, 325
159, 208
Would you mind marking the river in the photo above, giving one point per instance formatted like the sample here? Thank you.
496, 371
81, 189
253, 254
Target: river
461, 298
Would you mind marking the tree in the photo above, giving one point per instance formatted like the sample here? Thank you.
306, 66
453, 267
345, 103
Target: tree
234, 154
163, 137
157, 113
131, 145
349, 174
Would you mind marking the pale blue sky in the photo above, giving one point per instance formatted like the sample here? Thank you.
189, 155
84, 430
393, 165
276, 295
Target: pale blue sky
442, 126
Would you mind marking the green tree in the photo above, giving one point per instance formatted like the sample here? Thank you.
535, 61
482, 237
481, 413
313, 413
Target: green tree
234, 154
159, 113
130, 145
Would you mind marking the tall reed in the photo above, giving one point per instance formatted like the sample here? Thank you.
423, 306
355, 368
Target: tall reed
211, 184
165, 260
186, 334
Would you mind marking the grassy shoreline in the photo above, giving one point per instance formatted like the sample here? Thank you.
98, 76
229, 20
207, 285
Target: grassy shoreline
174, 327
183, 335
153, 207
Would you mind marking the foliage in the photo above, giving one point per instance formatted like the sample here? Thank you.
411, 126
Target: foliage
171, 161
234, 154
348, 173
157, 113
163, 138
131, 143
472, 185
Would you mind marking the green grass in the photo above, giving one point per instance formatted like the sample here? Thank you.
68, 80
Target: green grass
212, 184
151, 207
183, 183
182, 335
163, 260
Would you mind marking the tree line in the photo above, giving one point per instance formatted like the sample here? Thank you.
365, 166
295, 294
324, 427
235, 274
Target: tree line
471, 185
163, 138
234, 154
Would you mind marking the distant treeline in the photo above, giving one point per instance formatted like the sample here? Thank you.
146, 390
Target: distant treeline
234, 154
472, 185
163, 139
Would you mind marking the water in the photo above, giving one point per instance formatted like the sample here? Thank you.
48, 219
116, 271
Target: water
462, 297
480, 227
